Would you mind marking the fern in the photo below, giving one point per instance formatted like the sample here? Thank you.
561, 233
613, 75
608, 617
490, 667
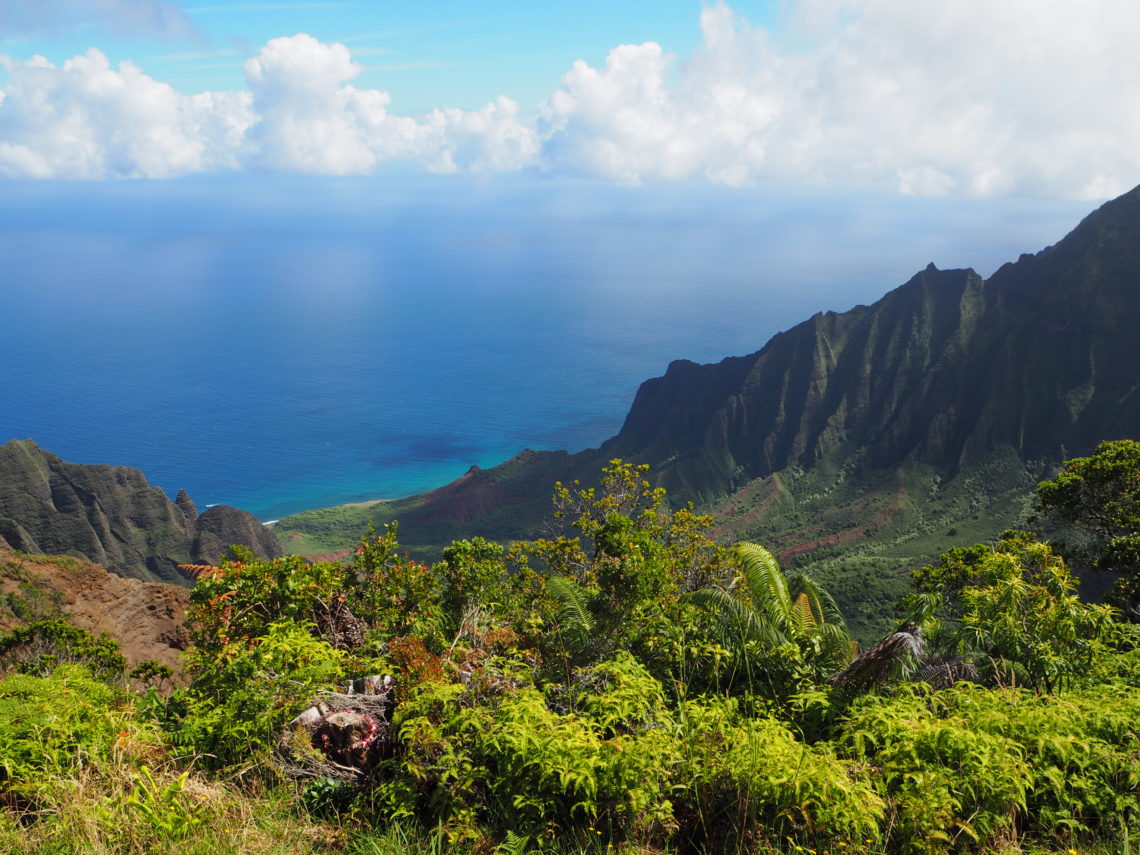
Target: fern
575, 621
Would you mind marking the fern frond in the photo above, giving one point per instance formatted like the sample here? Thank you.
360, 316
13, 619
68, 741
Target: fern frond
574, 617
803, 618
737, 621
766, 584
824, 608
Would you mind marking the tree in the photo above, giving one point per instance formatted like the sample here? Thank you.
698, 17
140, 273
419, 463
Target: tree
1101, 495
617, 566
1015, 605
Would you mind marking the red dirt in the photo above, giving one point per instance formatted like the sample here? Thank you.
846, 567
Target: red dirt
144, 617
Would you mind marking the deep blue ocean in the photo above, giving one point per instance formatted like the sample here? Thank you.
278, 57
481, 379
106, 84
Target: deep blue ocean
282, 344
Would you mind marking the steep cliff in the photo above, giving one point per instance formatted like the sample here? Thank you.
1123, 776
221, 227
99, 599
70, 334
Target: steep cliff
1041, 358
110, 515
939, 405
146, 618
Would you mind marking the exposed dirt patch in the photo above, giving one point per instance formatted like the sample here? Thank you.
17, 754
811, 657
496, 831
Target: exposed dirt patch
146, 618
756, 497
851, 535
328, 556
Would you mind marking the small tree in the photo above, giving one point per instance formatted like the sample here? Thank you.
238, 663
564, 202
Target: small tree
624, 560
1015, 604
782, 631
1101, 495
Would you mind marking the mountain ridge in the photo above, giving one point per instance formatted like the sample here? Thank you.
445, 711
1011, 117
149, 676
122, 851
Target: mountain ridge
111, 515
947, 395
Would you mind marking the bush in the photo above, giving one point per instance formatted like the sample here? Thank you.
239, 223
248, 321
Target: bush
54, 725
243, 695
41, 647
748, 780
974, 765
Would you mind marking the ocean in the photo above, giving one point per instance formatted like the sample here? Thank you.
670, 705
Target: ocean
281, 344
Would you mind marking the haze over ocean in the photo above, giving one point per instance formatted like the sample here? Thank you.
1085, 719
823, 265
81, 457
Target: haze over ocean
299, 343
286, 255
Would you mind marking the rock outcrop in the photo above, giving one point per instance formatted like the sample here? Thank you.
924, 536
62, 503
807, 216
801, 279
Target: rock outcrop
950, 379
110, 515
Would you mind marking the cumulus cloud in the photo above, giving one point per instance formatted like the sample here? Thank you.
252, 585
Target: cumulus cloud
162, 18
965, 98
493, 139
969, 97
311, 119
85, 119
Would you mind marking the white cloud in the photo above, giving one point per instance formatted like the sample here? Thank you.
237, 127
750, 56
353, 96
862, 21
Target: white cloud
306, 120
85, 119
311, 120
967, 98
489, 140
163, 18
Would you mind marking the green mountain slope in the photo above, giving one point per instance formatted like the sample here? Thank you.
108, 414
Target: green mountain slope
945, 371
110, 515
873, 433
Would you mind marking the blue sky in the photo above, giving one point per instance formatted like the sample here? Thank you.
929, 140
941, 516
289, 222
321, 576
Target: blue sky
430, 53
920, 97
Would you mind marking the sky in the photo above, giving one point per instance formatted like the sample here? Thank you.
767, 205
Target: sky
970, 98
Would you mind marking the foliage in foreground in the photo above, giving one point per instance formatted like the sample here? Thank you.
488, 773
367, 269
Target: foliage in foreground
621, 684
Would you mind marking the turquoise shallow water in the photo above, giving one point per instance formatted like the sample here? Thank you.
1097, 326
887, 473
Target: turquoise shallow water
280, 345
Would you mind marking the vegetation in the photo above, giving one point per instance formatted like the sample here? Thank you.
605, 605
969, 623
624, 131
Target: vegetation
1100, 495
621, 684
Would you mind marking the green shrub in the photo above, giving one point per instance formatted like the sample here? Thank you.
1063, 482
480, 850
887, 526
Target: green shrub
243, 695
512, 763
56, 724
947, 781
971, 765
40, 647
748, 780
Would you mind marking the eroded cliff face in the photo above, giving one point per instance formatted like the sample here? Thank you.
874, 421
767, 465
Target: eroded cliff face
144, 617
1041, 358
942, 376
110, 515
